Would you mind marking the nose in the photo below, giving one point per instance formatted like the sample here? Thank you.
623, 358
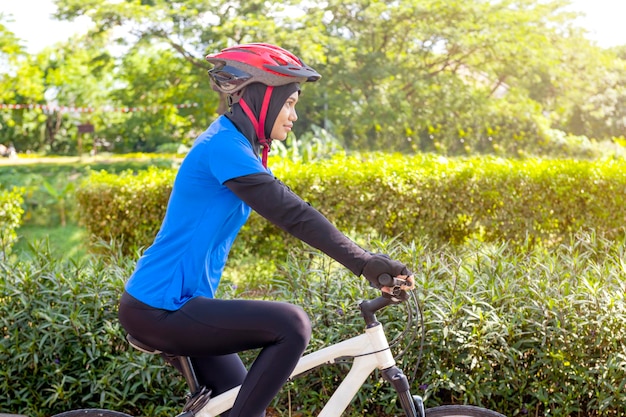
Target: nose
293, 116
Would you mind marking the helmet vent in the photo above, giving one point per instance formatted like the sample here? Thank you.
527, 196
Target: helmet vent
280, 61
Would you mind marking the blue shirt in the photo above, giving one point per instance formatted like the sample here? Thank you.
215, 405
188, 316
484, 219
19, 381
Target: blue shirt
203, 218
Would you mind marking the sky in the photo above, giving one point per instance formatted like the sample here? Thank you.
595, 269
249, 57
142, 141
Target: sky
34, 25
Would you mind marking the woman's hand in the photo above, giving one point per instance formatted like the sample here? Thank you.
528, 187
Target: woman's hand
380, 266
408, 285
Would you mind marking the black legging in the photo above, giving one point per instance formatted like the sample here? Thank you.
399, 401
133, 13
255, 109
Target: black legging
212, 331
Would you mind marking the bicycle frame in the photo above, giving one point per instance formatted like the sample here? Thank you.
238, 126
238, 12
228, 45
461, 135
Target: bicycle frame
370, 351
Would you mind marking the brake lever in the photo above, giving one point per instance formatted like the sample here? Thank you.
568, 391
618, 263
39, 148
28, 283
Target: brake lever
394, 284
397, 297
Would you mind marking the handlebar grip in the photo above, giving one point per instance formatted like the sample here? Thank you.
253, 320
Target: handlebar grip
395, 284
386, 280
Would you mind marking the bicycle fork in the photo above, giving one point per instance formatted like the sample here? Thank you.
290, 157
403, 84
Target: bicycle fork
413, 406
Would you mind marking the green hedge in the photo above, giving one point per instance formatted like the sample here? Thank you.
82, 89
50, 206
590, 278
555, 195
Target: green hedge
539, 333
62, 347
127, 207
448, 200
452, 200
10, 218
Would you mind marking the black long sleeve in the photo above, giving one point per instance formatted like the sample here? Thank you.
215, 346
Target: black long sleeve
277, 203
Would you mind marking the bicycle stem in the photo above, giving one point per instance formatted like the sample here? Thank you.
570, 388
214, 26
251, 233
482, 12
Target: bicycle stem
370, 307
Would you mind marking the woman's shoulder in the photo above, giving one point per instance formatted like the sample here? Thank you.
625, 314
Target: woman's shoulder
222, 132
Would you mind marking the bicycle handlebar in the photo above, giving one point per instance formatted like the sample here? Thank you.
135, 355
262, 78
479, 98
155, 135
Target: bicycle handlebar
395, 284
370, 307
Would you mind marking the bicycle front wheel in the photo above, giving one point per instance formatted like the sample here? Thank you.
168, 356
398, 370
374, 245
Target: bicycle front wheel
460, 411
91, 412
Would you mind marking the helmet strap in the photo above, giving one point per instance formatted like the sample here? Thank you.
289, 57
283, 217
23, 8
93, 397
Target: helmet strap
233, 98
259, 125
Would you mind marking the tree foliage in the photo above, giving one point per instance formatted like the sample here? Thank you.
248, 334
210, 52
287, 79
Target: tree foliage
20, 81
453, 77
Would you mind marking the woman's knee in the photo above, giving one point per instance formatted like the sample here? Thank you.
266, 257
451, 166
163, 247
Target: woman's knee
299, 324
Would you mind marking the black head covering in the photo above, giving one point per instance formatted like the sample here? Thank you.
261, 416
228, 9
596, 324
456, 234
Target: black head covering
253, 95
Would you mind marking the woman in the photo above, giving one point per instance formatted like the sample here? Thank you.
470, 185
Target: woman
169, 300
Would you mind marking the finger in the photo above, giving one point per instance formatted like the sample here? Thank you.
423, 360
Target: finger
388, 290
393, 290
410, 282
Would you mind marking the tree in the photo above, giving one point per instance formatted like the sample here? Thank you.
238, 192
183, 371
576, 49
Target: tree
600, 109
160, 37
160, 84
20, 82
428, 74
454, 77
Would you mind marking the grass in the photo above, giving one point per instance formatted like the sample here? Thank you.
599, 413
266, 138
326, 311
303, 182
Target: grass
64, 242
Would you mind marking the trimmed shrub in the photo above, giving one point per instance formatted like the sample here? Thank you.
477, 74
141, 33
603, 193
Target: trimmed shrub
10, 218
449, 200
62, 347
454, 200
127, 207
536, 333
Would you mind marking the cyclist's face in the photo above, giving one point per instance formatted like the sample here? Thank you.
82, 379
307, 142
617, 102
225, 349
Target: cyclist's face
286, 117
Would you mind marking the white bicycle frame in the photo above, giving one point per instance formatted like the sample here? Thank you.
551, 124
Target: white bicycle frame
370, 351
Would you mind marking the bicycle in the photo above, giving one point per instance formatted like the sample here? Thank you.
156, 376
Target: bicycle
369, 351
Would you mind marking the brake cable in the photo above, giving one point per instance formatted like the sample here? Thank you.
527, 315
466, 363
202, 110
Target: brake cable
418, 322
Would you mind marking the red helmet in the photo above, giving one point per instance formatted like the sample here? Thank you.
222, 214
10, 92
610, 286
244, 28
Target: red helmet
240, 65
